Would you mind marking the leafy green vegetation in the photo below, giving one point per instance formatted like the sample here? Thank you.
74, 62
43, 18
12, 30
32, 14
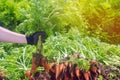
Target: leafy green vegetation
88, 47
89, 27
17, 61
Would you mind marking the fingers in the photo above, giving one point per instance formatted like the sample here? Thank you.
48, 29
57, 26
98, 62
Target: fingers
37, 34
33, 38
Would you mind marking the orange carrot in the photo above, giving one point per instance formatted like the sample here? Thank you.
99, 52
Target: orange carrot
57, 72
86, 75
34, 66
77, 71
28, 74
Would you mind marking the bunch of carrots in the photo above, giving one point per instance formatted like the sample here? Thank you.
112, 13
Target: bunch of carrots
65, 70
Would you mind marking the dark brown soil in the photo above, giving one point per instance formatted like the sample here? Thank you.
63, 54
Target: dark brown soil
110, 74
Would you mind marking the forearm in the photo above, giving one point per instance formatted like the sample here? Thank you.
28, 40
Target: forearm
9, 36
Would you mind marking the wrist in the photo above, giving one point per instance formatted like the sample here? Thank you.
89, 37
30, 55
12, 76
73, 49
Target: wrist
29, 40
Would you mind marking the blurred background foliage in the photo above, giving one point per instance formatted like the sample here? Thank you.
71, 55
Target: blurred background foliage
98, 18
91, 27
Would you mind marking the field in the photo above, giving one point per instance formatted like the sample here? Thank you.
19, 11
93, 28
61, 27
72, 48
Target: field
90, 28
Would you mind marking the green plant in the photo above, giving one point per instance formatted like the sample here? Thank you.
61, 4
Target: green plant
10, 11
17, 62
102, 19
52, 16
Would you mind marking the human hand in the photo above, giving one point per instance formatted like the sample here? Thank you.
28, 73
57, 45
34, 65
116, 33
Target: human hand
33, 38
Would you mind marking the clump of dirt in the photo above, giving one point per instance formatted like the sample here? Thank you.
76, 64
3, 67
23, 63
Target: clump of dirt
109, 73
2, 75
43, 75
